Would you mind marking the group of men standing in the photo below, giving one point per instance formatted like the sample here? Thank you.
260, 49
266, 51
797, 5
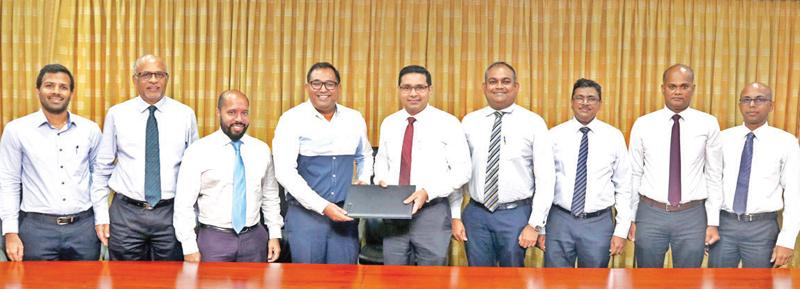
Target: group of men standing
177, 197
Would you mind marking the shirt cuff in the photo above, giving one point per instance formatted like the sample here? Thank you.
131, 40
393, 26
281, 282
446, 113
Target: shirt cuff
786, 239
11, 226
621, 230
713, 217
189, 247
274, 232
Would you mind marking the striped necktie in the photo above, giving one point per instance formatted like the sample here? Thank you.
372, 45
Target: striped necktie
493, 164
152, 161
743, 182
579, 196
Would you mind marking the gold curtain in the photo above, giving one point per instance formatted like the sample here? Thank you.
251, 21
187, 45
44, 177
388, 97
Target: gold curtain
264, 48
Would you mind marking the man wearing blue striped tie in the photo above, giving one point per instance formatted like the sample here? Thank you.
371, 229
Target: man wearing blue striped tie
592, 175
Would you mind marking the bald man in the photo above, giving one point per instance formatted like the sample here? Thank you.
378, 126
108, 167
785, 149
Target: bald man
229, 175
141, 150
759, 178
676, 162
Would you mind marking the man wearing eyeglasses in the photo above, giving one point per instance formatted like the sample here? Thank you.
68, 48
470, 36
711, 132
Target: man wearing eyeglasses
512, 157
592, 175
676, 162
143, 143
759, 178
423, 146
315, 147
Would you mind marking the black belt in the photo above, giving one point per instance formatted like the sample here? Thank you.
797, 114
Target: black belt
60, 220
505, 206
750, 217
670, 208
229, 230
583, 215
145, 205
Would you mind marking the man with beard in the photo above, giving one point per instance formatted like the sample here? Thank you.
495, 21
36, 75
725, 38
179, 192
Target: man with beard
143, 143
229, 175
316, 144
47, 160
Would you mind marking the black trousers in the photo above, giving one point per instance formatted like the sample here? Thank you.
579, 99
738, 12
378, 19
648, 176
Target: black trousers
141, 234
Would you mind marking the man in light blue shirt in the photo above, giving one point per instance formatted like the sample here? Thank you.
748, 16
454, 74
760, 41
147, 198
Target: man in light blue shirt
48, 156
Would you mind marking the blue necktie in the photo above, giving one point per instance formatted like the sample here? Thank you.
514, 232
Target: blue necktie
743, 183
238, 210
579, 196
490, 200
152, 161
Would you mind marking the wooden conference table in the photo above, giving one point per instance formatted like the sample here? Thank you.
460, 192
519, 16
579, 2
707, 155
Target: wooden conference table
53, 275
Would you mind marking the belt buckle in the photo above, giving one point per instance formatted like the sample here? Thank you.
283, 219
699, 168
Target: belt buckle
581, 216
510, 206
147, 206
61, 221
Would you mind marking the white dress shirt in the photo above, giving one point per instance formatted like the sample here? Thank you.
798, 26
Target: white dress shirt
52, 166
607, 169
774, 175
701, 159
526, 158
302, 130
120, 160
206, 178
440, 161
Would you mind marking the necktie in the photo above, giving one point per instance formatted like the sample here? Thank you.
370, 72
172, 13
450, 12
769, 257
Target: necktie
493, 164
405, 155
152, 161
579, 196
743, 183
238, 199
674, 196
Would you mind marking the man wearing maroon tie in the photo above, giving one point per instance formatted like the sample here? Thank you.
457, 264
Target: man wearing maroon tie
423, 146
676, 162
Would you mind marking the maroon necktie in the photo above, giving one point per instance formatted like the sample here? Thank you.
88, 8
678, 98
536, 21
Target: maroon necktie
674, 196
405, 156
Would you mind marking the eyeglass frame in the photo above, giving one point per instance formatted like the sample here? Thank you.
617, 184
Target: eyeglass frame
147, 75
755, 101
587, 100
319, 84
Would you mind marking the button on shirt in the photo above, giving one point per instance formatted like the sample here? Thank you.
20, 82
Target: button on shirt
440, 156
206, 178
53, 167
124, 142
607, 169
303, 133
526, 158
701, 159
774, 175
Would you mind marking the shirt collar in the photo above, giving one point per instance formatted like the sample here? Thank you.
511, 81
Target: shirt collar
143, 105
757, 132
667, 113
420, 115
40, 119
489, 111
577, 125
220, 139
316, 113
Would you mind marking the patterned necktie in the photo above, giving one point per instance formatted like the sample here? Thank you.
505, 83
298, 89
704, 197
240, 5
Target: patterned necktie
674, 196
493, 164
743, 183
405, 155
579, 196
238, 199
152, 161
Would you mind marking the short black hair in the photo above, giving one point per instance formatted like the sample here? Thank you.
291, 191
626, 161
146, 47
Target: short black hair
322, 65
583, 82
415, 69
500, 63
54, 68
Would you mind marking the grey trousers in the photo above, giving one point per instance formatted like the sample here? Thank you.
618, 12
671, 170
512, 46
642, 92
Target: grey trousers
2, 244
139, 234
748, 242
657, 231
44, 240
220, 246
423, 240
493, 237
570, 238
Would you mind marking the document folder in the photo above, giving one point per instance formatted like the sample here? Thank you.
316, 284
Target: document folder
378, 202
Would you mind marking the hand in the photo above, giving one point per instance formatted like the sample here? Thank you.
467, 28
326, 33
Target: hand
360, 183
382, 184
781, 256
273, 250
542, 242
632, 232
459, 233
420, 197
193, 257
528, 237
712, 236
14, 248
336, 214
102, 233
617, 245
